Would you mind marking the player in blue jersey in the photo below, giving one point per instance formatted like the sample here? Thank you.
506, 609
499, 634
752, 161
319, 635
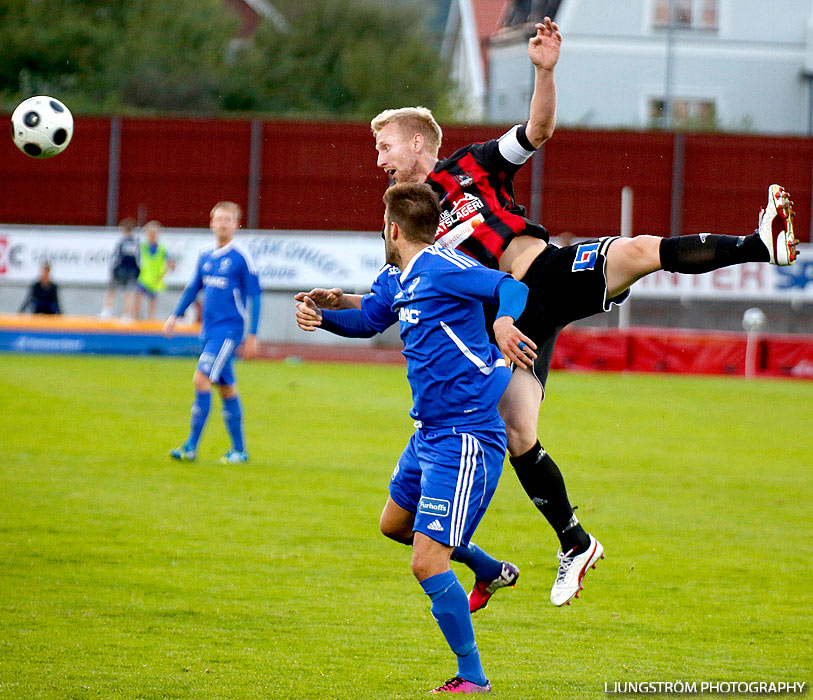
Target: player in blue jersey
446, 476
226, 274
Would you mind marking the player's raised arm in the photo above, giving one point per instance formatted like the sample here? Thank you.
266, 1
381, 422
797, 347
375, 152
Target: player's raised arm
543, 50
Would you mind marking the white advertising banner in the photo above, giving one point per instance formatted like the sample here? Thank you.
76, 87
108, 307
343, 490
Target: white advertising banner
286, 260
298, 260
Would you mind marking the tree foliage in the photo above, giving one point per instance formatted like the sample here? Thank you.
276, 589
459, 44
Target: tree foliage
347, 58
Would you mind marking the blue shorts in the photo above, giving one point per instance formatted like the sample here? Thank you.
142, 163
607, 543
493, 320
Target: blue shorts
216, 359
447, 477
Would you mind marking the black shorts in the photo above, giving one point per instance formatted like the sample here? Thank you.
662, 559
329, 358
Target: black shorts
565, 285
126, 277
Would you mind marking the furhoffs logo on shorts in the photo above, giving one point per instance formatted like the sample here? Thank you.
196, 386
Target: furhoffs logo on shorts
434, 506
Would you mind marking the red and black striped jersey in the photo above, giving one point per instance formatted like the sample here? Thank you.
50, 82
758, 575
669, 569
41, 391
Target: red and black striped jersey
475, 186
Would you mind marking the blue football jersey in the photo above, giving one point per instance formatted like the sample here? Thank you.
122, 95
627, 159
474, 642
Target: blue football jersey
457, 376
227, 277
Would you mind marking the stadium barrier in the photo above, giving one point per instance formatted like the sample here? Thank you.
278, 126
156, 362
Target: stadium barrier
288, 261
631, 350
683, 352
45, 334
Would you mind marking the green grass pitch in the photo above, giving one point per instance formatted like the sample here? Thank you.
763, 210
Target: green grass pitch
125, 575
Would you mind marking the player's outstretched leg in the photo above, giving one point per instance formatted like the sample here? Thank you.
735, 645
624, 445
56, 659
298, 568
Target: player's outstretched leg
773, 242
630, 259
200, 412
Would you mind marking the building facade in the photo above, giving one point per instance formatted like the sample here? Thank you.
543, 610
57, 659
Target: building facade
733, 65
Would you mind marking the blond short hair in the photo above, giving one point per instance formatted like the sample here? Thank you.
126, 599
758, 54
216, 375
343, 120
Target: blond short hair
231, 206
416, 120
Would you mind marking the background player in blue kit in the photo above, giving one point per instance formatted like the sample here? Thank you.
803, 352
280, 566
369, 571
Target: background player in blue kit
447, 474
226, 274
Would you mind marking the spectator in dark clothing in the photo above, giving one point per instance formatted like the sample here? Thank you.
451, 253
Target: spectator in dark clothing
124, 272
43, 295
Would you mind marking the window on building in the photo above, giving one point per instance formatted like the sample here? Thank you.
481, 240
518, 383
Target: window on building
686, 14
687, 113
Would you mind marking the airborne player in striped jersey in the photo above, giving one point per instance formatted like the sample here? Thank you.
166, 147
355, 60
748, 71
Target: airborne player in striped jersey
482, 219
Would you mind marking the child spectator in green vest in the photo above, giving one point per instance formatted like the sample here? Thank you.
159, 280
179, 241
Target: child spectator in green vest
154, 263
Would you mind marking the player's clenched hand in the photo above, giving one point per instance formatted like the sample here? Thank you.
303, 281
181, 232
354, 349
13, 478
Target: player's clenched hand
169, 326
249, 348
543, 48
308, 314
323, 298
517, 347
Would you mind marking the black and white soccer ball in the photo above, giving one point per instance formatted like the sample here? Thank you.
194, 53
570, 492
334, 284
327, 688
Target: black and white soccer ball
42, 126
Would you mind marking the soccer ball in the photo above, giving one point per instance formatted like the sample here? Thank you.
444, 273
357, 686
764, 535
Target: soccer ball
41, 126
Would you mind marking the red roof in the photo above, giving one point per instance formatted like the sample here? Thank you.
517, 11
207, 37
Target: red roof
487, 15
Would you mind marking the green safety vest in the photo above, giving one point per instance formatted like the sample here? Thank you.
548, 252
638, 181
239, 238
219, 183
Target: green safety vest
153, 267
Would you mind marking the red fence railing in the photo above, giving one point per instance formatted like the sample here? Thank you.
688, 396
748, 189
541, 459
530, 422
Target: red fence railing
322, 176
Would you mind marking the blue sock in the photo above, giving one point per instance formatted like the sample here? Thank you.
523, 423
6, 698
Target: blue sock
200, 412
450, 608
484, 566
233, 418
